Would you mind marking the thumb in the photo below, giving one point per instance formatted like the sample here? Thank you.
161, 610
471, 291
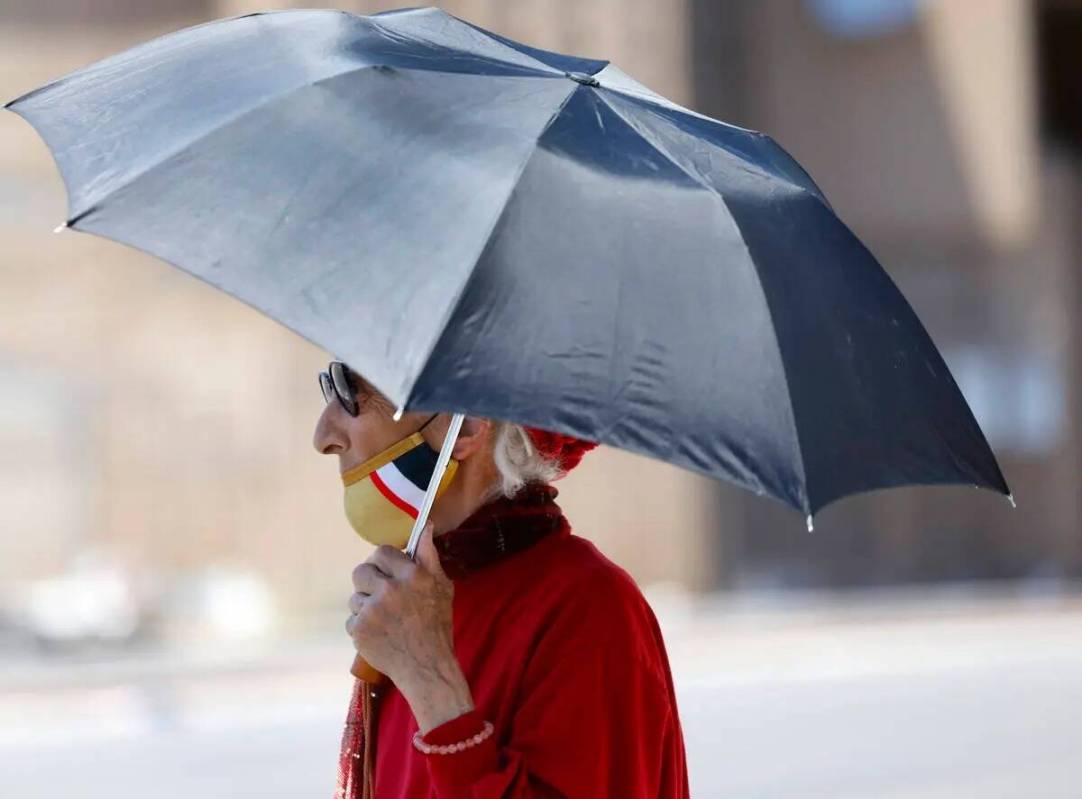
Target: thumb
427, 554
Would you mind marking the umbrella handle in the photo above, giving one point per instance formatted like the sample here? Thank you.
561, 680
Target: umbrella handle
364, 672
361, 669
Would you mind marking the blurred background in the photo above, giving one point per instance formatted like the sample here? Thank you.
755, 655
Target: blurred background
175, 564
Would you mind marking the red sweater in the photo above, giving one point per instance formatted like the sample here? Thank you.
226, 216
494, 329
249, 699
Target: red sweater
564, 656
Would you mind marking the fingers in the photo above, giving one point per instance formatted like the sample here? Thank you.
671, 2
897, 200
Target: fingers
357, 603
360, 607
368, 578
391, 562
385, 581
374, 577
427, 555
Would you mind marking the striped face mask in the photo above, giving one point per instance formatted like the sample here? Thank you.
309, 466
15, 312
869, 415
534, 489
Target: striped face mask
384, 494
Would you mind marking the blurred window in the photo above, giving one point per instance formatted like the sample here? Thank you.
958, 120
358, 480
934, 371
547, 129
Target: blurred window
1018, 397
858, 19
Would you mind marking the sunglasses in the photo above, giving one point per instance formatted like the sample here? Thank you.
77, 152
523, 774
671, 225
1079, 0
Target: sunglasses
340, 381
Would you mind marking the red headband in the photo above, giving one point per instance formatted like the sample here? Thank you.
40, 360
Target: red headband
567, 451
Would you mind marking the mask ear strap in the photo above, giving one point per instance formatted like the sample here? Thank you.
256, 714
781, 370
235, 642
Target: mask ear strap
434, 482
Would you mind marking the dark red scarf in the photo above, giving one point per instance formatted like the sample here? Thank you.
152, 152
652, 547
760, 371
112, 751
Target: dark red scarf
495, 530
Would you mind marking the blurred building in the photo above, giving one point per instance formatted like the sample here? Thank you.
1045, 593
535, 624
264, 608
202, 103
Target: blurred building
146, 414
142, 410
947, 134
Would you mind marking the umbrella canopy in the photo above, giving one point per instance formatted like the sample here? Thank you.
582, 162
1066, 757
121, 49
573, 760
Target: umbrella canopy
481, 226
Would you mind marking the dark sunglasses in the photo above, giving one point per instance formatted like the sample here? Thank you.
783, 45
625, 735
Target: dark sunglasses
339, 381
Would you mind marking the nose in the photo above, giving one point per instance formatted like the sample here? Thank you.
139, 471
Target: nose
329, 438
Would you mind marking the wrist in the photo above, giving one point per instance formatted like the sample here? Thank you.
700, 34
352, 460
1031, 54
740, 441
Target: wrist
437, 694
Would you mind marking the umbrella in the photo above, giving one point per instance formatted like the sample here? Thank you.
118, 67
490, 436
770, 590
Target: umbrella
484, 227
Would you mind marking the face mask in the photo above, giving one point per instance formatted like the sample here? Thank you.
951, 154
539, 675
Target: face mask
384, 494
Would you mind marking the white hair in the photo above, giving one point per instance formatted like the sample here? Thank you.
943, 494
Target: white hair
518, 461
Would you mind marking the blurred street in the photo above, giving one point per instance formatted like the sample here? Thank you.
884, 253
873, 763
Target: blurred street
903, 694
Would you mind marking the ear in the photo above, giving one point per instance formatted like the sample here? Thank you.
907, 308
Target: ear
472, 438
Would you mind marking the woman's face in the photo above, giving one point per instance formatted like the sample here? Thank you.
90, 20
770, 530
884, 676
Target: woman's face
355, 439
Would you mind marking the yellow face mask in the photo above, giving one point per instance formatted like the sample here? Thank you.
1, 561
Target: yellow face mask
384, 494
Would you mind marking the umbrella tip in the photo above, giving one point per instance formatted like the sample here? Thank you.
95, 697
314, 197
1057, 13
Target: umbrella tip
811, 525
1010, 499
60, 228
398, 413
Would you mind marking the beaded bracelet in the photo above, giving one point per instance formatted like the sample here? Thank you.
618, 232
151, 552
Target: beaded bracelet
450, 749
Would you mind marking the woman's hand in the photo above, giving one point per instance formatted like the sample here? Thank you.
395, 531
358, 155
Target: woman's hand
401, 624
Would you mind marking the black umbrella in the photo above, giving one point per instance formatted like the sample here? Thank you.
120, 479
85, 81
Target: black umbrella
485, 227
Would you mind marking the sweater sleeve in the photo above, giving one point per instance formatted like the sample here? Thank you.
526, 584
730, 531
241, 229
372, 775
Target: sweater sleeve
596, 715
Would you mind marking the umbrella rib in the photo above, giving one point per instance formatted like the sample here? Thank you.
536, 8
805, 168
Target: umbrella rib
646, 94
97, 203
652, 104
452, 307
660, 150
700, 180
509, 43
137, 49
376, 19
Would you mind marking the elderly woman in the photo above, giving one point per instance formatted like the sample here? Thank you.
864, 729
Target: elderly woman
521, 662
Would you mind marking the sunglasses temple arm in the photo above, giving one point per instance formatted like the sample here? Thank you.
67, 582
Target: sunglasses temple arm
434, 483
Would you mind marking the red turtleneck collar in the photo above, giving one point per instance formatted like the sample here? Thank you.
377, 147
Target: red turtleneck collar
502, 527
